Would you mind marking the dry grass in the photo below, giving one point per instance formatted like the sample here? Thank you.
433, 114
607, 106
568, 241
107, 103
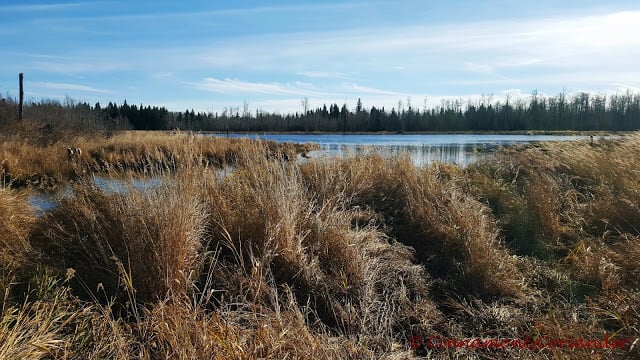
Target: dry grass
278, 233
31, 331
146, 241
25, 162
340, 258
15, 221
427, 210
184, 332
580, 199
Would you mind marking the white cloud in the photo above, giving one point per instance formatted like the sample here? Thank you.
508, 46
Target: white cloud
477, 67
632, 78
245, 87
364, 90
80, 66
163, 75
593, 43
589, 44
323, 74
38, 7
64, 86
209, 14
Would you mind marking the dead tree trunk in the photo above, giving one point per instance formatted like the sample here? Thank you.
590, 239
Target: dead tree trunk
21, 78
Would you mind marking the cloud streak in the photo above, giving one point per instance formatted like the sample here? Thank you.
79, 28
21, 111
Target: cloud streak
595, 42
323, 74
70, 87
365, 90
81, 65
39, 7
246, 87
202, 14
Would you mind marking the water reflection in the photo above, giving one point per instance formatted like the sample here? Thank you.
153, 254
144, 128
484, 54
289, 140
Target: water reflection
43, 202
461, 149
119, 186
461, 154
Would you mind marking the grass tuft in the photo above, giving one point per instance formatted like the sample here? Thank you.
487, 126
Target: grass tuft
144, 241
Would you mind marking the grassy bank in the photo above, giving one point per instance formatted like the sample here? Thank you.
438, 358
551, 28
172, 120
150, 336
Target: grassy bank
342, 258
38, 158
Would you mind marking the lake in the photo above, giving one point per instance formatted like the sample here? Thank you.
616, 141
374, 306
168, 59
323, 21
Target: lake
424, 149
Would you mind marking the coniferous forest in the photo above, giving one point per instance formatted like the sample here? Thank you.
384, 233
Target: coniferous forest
581, 112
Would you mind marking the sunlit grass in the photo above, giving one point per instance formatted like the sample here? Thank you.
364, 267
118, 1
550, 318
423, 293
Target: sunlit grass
338, 258
29, 162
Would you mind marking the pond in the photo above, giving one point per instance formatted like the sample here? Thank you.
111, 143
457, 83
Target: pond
462, 149
423, 149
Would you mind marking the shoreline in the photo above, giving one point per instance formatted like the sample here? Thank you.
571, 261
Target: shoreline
534, 132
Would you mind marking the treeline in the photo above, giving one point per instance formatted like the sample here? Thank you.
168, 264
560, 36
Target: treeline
67, 115
582, 112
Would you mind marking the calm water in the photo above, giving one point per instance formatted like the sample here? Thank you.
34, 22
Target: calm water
43, 202
461, 149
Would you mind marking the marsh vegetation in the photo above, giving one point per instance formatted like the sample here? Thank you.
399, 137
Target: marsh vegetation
335, 258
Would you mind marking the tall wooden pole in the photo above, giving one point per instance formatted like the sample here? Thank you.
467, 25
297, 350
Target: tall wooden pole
21, 78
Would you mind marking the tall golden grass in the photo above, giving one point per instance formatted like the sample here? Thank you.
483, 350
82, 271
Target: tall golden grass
15, 222
333, 258
29, 162
452, 233
579, 204
146, 242
268, 224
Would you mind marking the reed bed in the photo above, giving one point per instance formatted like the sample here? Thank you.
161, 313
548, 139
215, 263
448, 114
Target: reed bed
340, 258
48, 164
15, 223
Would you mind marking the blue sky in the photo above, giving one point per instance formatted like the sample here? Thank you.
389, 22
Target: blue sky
207, 56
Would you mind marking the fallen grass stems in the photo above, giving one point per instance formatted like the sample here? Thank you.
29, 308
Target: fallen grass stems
339, 258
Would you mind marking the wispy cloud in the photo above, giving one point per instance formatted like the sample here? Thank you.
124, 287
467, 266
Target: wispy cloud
82, 65
323, 74
588, 42
478, 67
246, 87
343, 90
67, 87
163, 75
233, 11
580, 78
39, 7
365, 90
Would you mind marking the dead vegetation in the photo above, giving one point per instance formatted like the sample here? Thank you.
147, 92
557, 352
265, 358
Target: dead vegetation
340, 258
46, 164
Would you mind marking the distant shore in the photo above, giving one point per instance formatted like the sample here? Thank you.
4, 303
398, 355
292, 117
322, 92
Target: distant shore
518, 132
